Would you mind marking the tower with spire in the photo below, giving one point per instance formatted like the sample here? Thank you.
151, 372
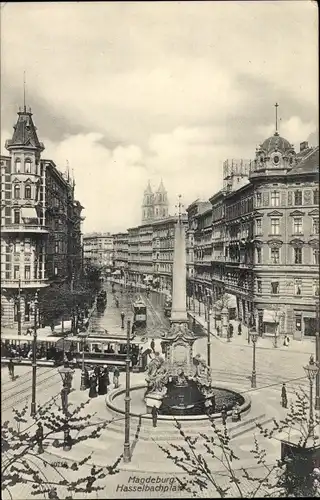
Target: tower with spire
148, 205
161, 202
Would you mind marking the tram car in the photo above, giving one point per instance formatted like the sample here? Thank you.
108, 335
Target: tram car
139, 313
100, 348
49, 349
101, 299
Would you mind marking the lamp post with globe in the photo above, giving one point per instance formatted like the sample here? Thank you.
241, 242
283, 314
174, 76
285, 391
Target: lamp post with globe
312, 370
66, 373
254, 338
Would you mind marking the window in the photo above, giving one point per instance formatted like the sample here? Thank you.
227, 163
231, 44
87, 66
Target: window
16, 247
259, 286
18, 165
275, 287
275, 255
27, 246
298, 197
316, 256
275, 198
297, 225
16, 191
316, 197
297, 255
27, 273
16, 217
27, 166
259, 259
316, 288
16, 272
258, 226
258, 199
297, 287
27, 192
275, 225
315, 225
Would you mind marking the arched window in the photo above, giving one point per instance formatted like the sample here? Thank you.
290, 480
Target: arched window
27, 166
27, 192
16, 191
18, 165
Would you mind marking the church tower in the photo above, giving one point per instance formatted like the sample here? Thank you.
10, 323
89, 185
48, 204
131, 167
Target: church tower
161, 204
147, 205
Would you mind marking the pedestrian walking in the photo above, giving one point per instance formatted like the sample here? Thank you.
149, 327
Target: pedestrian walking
154, 413
224, 414
286, 341
239, 329
152, 345
116, 375
284, 399
11, 368
93, 387
218, 330
39, 438
230, 329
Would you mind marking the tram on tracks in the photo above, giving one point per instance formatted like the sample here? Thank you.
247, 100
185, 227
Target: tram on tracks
50, 349
100, 348
101, 299
139, 313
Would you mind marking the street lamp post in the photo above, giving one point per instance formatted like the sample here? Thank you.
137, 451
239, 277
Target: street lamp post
194, 298
122, 319
208, 333
199, 306
317, 398
66, 373
312, 371
83, 387
126, 447
19, 308
34, 358
254, 337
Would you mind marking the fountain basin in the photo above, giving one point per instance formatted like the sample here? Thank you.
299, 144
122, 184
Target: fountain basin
115, 402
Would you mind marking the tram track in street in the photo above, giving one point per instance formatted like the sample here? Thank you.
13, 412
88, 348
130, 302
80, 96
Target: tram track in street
22, 382
7, 402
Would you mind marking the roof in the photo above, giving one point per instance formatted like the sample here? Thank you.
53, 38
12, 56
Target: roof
276, 142
161, 188
148, 189
25, 132
308, 164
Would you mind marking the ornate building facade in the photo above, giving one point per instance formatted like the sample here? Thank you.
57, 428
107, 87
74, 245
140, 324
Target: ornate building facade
264, 238
120, 253
40, 224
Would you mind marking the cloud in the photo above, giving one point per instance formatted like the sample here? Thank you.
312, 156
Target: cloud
127, 91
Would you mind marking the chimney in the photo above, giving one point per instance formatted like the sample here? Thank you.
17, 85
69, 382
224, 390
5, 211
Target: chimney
303, 145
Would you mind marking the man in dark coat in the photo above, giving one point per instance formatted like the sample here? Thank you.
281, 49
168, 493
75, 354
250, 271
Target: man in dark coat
239, 329
224, 414
154, 413
284, 398
93, 387
152, 345
11, 368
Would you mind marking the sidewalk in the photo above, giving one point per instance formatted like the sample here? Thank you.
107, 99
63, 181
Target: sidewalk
299, 346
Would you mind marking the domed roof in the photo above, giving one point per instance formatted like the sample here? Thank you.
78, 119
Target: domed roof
276, 141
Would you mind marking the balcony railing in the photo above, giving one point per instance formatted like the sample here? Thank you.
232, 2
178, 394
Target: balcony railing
35, 283
25, 228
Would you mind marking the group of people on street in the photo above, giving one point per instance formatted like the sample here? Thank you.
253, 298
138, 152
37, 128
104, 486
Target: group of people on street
97, 380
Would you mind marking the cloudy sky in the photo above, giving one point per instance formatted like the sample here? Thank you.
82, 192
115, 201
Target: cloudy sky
130, 91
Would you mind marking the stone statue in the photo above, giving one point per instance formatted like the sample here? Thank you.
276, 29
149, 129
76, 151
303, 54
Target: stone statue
157, 375
202, 368
182, 379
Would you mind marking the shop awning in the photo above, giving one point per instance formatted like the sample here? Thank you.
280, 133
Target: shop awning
29, 213
148, 277
269, 316
117, 272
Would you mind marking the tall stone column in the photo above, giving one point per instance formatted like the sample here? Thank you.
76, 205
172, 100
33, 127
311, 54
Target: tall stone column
178, 312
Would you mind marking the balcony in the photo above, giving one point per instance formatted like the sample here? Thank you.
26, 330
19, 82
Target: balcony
24, 228
36, 283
